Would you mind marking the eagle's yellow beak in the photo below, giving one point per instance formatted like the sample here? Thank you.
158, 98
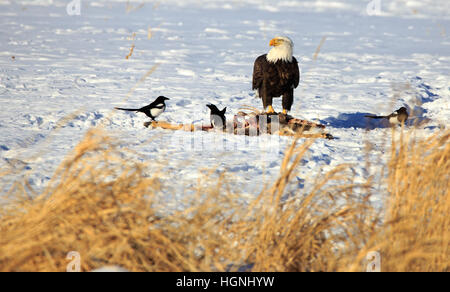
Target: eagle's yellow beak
274, 42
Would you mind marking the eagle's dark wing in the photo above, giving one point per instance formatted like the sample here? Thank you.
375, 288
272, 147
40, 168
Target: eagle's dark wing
258, 72
296, 72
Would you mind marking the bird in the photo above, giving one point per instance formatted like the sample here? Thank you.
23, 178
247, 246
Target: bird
152, 110
217, 117
277, 74
398, 117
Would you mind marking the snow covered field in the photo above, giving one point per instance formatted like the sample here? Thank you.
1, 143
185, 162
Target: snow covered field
62, 74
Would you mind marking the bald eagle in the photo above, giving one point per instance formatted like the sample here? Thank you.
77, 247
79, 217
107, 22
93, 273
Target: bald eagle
277, 74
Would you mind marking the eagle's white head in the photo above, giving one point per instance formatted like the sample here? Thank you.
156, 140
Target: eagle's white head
282, 49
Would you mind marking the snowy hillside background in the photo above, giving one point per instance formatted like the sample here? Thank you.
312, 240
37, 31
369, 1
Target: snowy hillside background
60, 75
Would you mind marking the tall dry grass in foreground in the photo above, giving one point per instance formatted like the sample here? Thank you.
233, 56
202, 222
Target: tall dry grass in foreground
416, 233
107, 207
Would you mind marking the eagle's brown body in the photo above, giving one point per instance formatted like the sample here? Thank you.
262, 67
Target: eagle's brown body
275, 80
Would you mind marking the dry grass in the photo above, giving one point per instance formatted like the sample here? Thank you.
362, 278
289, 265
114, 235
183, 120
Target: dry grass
107, 208
133, 38
416, 233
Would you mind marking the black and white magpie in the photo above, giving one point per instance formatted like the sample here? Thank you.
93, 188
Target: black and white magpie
152, 110
398, 117
217, 117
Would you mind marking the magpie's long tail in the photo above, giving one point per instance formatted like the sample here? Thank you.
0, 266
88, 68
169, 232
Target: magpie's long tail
128, 109
376, 117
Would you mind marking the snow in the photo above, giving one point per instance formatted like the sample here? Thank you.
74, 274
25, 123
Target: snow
60, 75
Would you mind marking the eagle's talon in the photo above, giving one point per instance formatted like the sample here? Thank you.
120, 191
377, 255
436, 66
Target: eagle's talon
270, 110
